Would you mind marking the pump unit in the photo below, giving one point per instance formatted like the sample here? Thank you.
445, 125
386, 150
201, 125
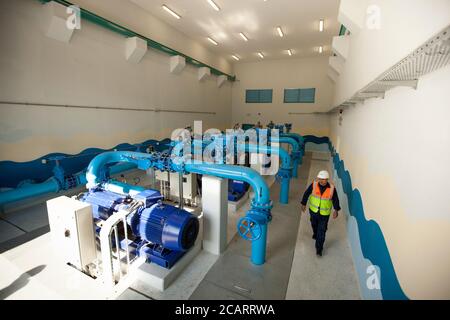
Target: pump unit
161, 232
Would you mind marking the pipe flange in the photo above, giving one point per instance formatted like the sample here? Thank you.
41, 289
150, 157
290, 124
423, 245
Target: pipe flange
285, 173
297, 154
262, 207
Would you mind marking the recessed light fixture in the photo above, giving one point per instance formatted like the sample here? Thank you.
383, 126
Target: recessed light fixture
243, 36
235, 57
214, 5
320, 49
289, 52
214, 42
261, 55
280, 32
321, 25
173, 13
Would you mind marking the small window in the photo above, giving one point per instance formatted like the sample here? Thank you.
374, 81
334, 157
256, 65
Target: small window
300, 95
259, 96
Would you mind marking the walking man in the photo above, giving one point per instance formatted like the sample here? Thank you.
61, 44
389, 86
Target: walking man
322, 198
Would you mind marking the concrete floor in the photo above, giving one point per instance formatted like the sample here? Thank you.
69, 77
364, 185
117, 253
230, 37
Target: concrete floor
292, 270
332, 276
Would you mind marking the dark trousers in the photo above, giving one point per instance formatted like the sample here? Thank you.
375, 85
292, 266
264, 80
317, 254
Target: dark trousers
319, 225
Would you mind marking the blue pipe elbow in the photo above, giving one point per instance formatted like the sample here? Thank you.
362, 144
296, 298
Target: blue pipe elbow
284, 173
300, 140
253, 178
295, 151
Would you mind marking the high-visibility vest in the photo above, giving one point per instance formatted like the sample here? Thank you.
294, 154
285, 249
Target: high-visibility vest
321, 201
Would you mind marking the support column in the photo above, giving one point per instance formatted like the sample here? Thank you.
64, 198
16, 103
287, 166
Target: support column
215, 214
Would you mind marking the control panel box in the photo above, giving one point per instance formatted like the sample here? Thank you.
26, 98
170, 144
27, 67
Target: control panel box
189, 185
72, 231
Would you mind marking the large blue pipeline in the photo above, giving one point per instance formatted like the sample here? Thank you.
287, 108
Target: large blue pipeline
284, 173
60, 177
296, 153
295, 140
65, 181
55, 184
300, 140
252, 227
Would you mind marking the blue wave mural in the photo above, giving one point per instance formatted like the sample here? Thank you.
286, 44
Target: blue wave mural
12, 174
372, 241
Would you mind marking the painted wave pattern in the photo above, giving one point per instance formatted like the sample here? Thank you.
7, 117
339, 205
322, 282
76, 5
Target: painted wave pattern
368, 234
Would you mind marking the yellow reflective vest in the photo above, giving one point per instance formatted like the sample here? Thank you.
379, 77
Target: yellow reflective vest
322, 202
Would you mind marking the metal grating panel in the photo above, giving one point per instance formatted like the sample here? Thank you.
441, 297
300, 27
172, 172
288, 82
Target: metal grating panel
431, 56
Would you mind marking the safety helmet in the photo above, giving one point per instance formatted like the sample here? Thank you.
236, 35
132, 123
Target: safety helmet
323, 175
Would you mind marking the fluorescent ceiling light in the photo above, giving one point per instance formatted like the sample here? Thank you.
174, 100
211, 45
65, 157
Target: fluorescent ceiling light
289, 52
321, 25
173, 13
261, 55
214, 5
280, 32
214, 42
243, 36
320, 49
235, 57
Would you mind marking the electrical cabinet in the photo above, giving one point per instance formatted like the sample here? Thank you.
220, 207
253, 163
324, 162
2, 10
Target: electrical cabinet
72, 231
189, 185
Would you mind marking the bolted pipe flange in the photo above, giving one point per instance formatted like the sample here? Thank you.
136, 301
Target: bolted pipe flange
285, 173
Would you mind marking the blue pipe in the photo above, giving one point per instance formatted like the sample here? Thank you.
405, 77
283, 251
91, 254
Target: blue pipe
301, 142
296, 136
295, 154
253, 178
53, 185
29, 191
261, 204
285, 171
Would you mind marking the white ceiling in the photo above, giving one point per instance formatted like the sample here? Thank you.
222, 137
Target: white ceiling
258, 20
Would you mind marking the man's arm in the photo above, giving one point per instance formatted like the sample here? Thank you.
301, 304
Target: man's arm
306, 197
336, 204
335, 200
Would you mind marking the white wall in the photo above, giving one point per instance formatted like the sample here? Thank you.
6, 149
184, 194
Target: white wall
91, 70
397, 152
278, 75
397, 149
404, 26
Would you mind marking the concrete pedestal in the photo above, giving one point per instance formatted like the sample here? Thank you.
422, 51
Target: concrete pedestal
215, 214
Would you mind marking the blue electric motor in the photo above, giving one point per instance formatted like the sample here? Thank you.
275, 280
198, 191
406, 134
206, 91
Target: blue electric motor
237, 189
162, 232
166, 225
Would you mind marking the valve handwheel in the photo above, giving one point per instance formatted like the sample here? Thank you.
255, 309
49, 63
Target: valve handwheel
249, 229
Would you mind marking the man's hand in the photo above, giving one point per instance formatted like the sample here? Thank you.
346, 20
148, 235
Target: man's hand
335, 214
303, 208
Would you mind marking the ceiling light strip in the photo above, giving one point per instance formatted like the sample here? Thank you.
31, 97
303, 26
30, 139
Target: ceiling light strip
280, 32
214, 42
173, 13
243, 36
214, 5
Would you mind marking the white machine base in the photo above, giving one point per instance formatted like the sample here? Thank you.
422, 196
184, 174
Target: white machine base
161, 278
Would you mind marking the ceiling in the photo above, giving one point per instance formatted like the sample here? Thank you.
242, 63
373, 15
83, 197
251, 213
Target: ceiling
257, 19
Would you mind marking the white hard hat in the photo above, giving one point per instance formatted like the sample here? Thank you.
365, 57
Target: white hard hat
323, 175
